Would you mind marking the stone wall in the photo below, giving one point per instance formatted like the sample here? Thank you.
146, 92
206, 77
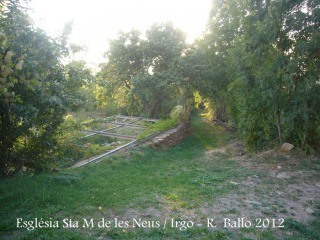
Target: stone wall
171, 137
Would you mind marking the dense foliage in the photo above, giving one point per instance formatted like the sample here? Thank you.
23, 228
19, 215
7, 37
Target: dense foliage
257, 68
264, 58
141, 74
36, 90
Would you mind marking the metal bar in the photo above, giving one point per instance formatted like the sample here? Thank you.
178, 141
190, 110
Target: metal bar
128, 145
149, 120
110, 134
94, 159
119, 125
129, 125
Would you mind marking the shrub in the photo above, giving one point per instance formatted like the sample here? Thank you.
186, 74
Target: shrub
177, 113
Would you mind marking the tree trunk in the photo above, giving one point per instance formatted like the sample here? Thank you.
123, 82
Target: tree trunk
279, 127
6, 143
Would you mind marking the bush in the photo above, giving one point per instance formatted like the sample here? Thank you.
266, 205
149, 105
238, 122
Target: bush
177, 113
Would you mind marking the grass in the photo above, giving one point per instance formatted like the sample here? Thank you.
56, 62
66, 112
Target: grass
95, 139
127, 131
159, 126
148, 183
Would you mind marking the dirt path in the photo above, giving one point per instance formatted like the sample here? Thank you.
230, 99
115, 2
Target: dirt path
285, 186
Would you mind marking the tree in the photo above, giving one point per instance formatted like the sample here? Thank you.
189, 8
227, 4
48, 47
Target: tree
260, 60
32, 82
78, 79
140, 73
207, 60
275, 85
157, 86
125, 60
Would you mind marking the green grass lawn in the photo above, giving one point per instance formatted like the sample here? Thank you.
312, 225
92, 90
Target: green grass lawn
150, 184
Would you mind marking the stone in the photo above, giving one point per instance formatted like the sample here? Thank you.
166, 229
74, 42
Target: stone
283, 176
171, 137
253, 202
234, 183
286, 147
309, 210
